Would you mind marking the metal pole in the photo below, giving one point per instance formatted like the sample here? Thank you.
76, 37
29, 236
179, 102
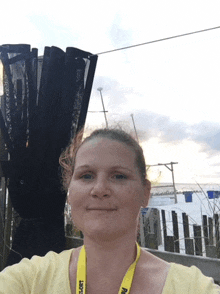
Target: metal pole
134, 126
171, 169
174, 188
106, 122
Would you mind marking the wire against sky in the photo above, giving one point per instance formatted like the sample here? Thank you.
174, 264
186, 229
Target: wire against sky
159, 40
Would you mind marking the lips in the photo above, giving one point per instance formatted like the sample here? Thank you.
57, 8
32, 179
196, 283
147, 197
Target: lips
101, 208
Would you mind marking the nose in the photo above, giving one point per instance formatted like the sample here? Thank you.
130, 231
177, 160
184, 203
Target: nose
100, 188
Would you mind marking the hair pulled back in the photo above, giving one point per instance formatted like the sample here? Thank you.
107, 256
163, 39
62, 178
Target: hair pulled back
67, 158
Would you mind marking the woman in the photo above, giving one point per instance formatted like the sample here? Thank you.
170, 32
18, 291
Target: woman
105, 177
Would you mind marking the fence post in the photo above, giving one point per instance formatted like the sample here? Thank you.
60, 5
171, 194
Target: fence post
216, 218
210, 231
216, 227
151, 241
175, 232
170, 243
198, 239
205, 230
152, 230
188, 242
211, 251
142, 237
164, 229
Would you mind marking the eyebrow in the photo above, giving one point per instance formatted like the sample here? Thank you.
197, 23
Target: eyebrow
82, 167
112, 167
121, 167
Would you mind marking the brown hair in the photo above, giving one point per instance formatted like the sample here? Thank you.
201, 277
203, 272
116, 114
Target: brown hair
67, 158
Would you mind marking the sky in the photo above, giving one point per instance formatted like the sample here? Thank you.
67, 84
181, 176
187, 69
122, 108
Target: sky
170, 87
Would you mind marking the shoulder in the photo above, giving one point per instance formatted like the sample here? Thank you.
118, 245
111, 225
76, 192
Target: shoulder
152, 263
172, 278
183, 279
150, 274
31, 273
39, 262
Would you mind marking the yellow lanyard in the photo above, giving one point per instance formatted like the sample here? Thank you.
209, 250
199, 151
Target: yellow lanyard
81, 273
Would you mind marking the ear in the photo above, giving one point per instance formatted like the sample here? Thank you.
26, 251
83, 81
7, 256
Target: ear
67, 197
147, 189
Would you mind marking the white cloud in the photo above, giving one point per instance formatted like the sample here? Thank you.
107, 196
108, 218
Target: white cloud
177, 81
192, 162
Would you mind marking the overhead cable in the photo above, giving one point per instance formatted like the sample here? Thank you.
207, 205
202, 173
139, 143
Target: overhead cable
159, 40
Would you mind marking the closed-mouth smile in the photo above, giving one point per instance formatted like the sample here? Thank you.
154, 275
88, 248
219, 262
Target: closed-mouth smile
102, 209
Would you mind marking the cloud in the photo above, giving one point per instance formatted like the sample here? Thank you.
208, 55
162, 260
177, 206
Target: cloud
216, 175
161, 126
217, 164
209, 134
150, 125
119, 36
114, 94
53, 34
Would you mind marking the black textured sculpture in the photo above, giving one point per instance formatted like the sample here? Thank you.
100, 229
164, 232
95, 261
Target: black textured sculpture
44, 103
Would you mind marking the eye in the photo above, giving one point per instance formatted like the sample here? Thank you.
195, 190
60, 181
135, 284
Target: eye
120, 177
86, 176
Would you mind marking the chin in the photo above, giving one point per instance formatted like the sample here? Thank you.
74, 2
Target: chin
106, 233
100, 237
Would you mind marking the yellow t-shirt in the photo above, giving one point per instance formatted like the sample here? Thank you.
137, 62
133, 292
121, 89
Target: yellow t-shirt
182, 279
50, 274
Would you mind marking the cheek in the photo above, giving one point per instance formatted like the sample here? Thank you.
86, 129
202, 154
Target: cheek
137, 198
132, 199
76, 204
75, 198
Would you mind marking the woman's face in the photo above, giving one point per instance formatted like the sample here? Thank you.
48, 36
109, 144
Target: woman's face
106, 191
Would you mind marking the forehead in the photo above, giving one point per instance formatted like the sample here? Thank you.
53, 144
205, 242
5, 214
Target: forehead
107, 150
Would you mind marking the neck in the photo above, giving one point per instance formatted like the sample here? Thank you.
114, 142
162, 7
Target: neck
110, 256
